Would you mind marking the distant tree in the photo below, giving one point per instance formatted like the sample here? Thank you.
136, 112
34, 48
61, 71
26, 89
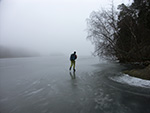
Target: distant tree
12, 52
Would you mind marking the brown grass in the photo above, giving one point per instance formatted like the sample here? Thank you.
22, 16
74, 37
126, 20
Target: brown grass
140, 73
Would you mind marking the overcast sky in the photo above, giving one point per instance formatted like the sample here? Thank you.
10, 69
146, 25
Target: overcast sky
48, 26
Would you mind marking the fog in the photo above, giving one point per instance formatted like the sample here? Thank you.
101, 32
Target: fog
48, 26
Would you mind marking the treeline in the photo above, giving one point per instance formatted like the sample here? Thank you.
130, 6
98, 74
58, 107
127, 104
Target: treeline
12, 52
122, 35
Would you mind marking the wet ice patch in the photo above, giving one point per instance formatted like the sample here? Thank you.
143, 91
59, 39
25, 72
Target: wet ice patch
125, 78
48, 85
35, 82
4, 99
102, 100
35, 92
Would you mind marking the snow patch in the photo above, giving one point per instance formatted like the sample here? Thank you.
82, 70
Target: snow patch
125, 78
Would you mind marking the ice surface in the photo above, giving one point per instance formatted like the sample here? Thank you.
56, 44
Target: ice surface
45, 85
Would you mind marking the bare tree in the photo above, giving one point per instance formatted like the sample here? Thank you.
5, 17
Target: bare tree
102, 26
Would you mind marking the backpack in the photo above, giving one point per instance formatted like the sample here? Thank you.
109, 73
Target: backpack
73, 57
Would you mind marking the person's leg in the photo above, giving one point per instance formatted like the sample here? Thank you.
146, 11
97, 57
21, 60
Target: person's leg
71, 65
74, 65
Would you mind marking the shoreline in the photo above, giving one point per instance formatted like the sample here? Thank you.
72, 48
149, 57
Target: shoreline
140, 73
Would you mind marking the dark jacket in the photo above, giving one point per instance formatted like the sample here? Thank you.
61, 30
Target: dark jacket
73, 57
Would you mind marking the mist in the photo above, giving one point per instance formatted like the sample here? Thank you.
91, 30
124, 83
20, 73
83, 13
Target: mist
47, 26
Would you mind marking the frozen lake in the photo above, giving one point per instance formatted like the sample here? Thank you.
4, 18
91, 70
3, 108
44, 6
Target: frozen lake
45, 85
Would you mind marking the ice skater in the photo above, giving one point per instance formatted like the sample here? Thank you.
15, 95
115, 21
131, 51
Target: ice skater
73, 57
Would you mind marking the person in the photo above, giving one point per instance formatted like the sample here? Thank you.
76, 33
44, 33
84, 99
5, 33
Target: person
73, 57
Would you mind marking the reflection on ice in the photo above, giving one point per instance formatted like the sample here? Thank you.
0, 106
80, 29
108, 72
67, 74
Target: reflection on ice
73, 76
